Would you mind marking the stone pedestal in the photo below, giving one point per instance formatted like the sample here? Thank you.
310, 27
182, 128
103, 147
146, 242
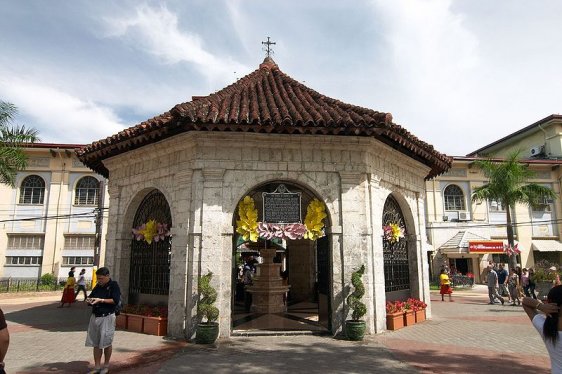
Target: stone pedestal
267, 289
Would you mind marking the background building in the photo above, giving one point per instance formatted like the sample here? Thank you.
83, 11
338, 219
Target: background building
453, 221
48, 221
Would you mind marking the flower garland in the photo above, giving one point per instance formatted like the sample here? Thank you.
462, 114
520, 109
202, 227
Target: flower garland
247, 225
510, 251
250, 229
151, 231
393, 232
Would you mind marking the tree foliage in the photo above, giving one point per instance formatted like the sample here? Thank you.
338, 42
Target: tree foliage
508, 184
12, 139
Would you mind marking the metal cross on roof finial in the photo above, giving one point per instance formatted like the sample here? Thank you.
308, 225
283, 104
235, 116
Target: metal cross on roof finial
268, 50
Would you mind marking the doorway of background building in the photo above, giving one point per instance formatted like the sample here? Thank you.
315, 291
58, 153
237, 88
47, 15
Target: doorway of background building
302, 266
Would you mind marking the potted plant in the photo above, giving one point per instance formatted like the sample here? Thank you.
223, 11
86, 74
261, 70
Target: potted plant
355, 328
156, 321
394, 315
135, 320
207, 332
418, 307
409, 317
545, 276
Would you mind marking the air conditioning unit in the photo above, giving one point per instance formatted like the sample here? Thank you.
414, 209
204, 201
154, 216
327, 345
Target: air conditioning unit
535, 151
464, 216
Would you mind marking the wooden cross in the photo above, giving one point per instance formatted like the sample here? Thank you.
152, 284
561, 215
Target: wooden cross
268, 49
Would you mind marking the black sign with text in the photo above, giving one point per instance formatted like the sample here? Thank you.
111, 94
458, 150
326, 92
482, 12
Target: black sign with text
282, 207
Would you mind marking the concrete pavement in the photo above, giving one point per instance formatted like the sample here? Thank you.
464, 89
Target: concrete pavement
464, 336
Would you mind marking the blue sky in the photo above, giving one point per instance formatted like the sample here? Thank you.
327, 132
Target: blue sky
457, 74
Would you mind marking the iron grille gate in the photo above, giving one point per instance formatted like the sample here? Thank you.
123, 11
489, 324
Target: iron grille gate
150, 263
396, 267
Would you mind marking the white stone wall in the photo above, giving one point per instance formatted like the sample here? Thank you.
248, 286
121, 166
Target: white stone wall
204, 176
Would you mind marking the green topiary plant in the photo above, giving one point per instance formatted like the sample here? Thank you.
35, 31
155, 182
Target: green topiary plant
205, 308
354, 300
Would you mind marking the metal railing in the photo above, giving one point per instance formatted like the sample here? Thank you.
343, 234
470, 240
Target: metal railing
8, 285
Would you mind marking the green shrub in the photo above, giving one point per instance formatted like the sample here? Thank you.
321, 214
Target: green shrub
48, 279
358, 308
205, 307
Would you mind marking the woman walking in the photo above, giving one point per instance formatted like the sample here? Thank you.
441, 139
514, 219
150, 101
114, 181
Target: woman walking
68, 291
445, 284
532, 283
513, 287
549, 324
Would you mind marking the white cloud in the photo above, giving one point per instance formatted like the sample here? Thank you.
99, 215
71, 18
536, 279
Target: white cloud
59, 117
157, 31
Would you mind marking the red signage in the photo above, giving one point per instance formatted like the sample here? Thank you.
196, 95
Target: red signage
485, 246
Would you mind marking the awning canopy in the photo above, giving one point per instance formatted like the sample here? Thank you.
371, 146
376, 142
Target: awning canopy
459, 242
546, 246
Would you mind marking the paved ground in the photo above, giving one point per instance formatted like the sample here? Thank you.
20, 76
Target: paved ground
464, 336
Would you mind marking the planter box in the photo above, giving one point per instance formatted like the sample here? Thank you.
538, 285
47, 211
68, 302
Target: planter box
409, 318
420, 315
135, 323
155, 326
394, 321
121, 321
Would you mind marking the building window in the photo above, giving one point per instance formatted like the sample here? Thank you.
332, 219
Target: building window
87, 190
454, 198
496, 206
77, 260
79, 241
32, 190
23, 260
25, 242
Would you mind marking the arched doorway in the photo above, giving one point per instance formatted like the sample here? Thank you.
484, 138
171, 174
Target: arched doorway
149, 276
303, 266
395, 254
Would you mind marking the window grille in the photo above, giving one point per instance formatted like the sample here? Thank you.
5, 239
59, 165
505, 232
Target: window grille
79, 242
395, 255
23, 260
87, 190
25, 242
32, 190
77, 260
150, 263
454, 198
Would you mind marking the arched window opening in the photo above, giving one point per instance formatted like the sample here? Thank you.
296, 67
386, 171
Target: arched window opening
32, 190
87, 190
454, 198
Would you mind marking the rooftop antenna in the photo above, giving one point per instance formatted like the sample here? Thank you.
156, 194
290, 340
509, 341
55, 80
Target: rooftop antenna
267, 49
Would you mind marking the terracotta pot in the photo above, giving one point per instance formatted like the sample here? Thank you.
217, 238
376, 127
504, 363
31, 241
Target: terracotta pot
394, 321
155, 326
135, 323
121, 321
409, 318
420, 315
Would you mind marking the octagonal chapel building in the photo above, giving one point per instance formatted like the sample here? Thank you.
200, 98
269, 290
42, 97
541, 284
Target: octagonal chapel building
272, 142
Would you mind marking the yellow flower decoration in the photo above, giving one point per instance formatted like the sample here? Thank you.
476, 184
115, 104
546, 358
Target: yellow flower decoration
247, 225
149, 231
315, 214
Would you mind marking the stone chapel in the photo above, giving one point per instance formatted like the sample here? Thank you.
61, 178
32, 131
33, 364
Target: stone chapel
273, 141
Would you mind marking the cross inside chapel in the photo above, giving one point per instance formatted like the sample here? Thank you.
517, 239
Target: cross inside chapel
268, 50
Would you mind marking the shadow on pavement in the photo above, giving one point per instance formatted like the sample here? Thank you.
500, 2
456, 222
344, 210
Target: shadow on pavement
50, 318
61, 367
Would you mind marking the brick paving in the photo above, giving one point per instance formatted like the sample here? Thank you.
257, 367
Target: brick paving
464, 336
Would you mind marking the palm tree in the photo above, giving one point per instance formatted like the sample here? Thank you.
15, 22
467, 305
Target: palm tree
12, 138
508, 185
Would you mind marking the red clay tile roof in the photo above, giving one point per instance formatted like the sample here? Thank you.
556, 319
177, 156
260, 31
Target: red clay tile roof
266, 101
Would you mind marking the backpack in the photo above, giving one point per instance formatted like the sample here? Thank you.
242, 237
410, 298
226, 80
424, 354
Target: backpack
118, 307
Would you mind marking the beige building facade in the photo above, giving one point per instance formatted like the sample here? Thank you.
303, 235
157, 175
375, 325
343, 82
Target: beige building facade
48, 221
454, 221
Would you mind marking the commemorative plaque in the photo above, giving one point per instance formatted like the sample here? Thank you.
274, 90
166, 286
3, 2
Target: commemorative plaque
282, 206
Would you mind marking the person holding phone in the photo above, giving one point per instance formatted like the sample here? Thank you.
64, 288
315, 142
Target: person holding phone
103, 299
